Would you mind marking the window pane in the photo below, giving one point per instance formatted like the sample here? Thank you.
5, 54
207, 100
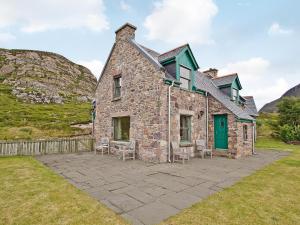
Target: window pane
117, 87
184, 72
184, 83
121, 128
185, 128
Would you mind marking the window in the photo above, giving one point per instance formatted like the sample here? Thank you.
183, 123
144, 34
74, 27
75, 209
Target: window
245, 133
121, 128
185, 77
235, 95
117, 86
185, 128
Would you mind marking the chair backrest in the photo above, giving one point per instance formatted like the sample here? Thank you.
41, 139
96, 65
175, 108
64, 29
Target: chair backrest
104, 141
200, 143
132, 145
175, 146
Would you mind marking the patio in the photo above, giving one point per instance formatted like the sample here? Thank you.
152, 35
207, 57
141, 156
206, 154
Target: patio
146, 193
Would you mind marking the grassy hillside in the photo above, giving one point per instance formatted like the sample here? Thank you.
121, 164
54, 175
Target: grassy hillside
20, 120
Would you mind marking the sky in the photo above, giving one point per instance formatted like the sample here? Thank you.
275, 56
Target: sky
258, 39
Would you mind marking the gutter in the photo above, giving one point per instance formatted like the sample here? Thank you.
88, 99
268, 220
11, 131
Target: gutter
169, 121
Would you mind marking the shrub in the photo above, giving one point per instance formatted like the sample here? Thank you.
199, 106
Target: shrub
289, 133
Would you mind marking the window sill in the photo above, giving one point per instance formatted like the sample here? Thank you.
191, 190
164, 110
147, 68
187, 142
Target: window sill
116, 99
186, 144
120, 142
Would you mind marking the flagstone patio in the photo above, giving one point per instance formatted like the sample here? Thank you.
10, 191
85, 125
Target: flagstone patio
146, 193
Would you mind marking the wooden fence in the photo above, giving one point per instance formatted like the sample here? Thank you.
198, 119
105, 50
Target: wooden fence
41, 147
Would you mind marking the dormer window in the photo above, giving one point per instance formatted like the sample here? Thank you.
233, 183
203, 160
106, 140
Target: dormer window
185, 77
117, 86
235, 95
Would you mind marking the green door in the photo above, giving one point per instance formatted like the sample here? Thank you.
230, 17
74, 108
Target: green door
221, 131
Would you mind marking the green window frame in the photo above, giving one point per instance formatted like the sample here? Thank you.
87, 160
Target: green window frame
117, 86
185, 77
185, 128
245, 132
121, 128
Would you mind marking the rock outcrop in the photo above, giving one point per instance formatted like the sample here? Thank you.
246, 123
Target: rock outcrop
44, 77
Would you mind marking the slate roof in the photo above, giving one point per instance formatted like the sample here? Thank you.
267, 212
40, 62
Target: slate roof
201, 80
172, 53
224, 80
250, 106
204, 83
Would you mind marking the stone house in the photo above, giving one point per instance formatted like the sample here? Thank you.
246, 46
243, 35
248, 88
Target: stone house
156, 98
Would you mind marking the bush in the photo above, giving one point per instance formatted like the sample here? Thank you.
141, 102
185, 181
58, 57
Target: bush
289, 133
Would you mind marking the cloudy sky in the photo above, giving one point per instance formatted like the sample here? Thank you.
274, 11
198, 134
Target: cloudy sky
259, 39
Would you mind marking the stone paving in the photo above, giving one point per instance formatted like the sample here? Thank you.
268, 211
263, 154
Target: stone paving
146, 193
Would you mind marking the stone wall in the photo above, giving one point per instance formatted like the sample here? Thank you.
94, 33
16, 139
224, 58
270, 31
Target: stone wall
141, 99
184, 102
244, 147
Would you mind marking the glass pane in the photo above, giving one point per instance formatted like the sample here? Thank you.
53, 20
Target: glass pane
184, 72
184, 83
117, 87
185, 130
121, 128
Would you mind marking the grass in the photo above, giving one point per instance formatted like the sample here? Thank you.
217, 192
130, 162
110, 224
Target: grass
270, 196
32, 194
19, 120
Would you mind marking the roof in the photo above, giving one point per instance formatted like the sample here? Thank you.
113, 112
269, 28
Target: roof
125, 25
204, 83
172, 53
250, 106
224, 80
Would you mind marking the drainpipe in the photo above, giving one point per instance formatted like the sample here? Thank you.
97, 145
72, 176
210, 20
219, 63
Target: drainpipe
169, 122
206, 94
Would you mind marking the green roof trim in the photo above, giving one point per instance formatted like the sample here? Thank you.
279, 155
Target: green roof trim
244, 120
188, 49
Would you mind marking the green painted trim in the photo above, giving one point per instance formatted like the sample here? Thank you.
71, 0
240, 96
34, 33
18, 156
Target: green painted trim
167, 61
191, 55
244, 120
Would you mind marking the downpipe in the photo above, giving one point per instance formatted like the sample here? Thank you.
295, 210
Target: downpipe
206, 95
169, 122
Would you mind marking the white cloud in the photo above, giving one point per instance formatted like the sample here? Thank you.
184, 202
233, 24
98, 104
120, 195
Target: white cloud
125, 6
42, 15
6, 37
177, 21
276, 29
95, 66
258, 79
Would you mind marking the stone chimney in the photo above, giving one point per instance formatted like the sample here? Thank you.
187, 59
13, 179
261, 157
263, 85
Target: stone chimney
212, 72
125, 32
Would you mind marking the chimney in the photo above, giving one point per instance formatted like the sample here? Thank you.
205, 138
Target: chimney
125, 32
212, 72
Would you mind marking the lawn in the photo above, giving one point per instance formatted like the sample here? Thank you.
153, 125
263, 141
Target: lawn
32, 194
269, 196
19, 120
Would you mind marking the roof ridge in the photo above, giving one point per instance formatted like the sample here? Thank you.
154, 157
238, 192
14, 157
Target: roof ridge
227, 75
174, 49
143, 46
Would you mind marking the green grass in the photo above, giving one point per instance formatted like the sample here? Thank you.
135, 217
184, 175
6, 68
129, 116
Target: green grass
19, 120
32, 194
270, 196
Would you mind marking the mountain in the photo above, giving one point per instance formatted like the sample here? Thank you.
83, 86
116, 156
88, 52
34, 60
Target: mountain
272, 106
45, 77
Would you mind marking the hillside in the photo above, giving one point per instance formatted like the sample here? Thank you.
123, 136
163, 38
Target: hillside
271, 106
43, 95
44, 77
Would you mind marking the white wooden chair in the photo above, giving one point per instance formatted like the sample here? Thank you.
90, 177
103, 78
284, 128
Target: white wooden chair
103, 146
128, 151
179, 154
200, 148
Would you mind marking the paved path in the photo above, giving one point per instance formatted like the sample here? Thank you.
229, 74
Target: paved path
146, 193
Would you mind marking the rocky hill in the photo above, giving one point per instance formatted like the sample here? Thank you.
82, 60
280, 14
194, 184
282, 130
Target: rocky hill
272, 106
44, 77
